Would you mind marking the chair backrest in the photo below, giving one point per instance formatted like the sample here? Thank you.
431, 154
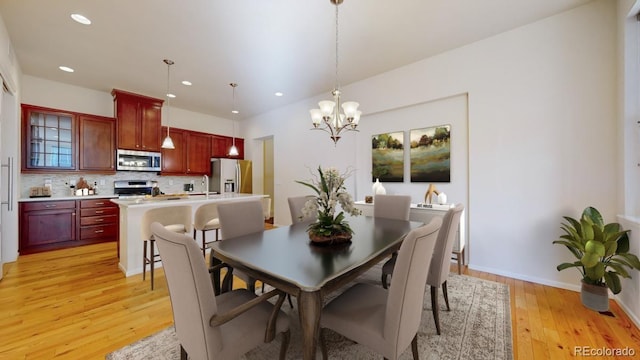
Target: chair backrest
168, 215
204, 214
392, 206
238, 218
191, 292
296, 204
266, 207
406, 293
441, 262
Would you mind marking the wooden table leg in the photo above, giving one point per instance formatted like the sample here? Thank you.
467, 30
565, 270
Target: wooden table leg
309, 307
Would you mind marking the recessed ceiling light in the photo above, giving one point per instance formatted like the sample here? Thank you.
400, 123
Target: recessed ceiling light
66, 68
171, 95
278, 94
81, 19
187, 83
235, 111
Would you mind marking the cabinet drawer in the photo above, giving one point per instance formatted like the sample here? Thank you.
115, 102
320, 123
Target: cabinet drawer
48, 205
98, 211
96, 203
98, 220
98, 231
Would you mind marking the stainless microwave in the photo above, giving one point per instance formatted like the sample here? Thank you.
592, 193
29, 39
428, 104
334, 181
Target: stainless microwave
138, 160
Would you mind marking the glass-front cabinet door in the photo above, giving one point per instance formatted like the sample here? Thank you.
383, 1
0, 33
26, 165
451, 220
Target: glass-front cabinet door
49, 139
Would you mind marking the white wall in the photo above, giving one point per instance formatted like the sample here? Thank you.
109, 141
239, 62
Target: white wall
541, 113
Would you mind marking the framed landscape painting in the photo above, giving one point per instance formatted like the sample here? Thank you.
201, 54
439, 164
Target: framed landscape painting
387, 156
430, 154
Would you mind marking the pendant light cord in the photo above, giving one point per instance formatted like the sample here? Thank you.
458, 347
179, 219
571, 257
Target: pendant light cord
337, 81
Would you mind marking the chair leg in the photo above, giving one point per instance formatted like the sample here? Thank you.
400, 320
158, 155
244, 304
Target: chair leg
446, 295
152, 258
215, 274
144, 260
183, 353
414, 348
434, 307
323, 344
204, 245
286, 337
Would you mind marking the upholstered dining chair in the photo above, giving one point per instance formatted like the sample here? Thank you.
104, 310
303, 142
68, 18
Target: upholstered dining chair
386, 321
174, 218
206, 219
441, 262
391, 207
240, 218
209, 326
296, 204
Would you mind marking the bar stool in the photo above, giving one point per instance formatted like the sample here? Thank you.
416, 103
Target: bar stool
173, 218
206, 219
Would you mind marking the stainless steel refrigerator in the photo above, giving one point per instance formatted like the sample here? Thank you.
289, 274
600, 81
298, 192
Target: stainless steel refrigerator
229, 176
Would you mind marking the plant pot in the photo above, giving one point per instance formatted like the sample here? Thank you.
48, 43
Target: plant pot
595, 297
334, 239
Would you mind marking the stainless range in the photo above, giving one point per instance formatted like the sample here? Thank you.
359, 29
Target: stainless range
135, 188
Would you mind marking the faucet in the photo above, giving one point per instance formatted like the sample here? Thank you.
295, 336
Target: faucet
205, 184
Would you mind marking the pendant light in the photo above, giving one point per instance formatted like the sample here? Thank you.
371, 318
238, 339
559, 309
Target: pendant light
167, 143
233, 150
329, 117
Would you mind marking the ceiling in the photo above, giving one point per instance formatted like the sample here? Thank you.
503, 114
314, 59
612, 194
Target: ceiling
265, 46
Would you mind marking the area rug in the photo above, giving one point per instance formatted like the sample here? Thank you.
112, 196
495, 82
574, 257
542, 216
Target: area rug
477, 327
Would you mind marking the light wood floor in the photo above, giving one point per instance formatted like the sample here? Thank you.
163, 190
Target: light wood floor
76, 304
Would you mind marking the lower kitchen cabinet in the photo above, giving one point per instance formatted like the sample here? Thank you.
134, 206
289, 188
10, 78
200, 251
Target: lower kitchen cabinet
51, 225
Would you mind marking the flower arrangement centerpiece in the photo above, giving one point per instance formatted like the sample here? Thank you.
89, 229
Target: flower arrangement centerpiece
329, 187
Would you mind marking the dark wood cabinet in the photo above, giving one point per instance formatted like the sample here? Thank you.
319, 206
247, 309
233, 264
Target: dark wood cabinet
49, 139
198, 153
99, 221
50, 225
97, 143
174, 160
139, 121
220, 146
46, 225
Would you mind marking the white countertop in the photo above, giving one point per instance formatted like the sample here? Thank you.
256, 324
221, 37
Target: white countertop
59, 198
188, 200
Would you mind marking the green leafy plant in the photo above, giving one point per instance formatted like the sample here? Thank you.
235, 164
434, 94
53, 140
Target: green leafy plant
602, 250
329, 186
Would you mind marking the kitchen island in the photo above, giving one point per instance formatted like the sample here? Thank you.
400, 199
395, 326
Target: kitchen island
132, 210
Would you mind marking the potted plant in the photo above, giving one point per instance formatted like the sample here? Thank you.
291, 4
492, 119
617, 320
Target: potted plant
602, 253
330, 228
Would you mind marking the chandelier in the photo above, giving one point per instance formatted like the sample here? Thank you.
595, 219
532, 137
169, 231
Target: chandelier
233, 150
167, 143
329, 117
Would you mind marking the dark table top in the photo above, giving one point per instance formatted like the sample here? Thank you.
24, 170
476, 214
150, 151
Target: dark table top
286, 252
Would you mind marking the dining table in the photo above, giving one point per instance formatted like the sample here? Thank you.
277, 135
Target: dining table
286, 259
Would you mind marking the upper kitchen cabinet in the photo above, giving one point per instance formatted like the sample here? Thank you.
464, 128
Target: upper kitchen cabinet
97, 143
220, 146
173, 160
198, 153
48, 139
139, 121
192, 153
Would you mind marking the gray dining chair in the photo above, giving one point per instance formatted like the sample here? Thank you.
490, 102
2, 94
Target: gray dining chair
392, 206
239, 218
296, 204
440, 264
396, 207
174, 218
386, 321
209, 326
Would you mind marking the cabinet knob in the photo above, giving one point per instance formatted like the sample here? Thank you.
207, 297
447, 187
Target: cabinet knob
99, 231
99, 211
99, 220
50, 206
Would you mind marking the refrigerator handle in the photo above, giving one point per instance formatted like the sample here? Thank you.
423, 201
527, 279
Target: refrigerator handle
9, 166
238, 178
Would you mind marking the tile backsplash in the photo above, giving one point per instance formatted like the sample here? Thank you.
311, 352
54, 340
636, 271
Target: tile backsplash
60, 182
